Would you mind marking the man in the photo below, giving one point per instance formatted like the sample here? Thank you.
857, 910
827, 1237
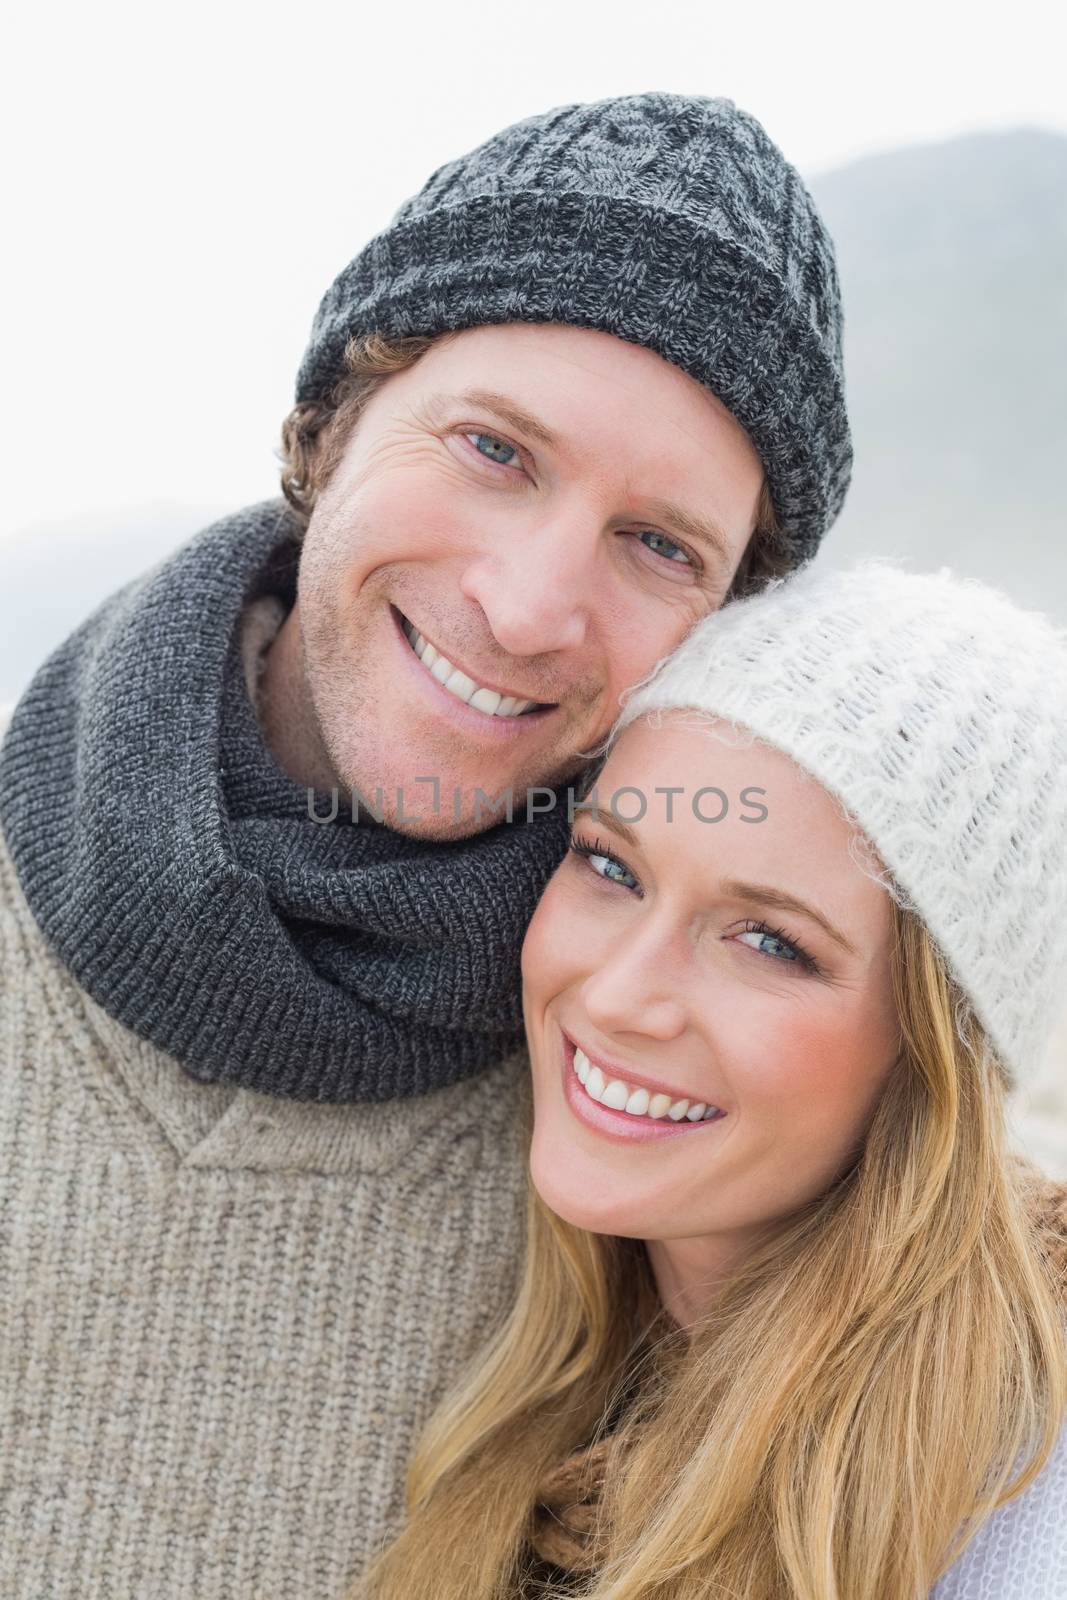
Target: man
261, 902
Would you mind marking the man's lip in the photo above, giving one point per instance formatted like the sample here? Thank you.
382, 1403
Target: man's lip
477, 677
639, 1080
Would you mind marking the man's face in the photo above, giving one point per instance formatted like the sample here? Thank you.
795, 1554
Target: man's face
550, 509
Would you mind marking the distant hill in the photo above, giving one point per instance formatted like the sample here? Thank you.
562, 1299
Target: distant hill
953, 261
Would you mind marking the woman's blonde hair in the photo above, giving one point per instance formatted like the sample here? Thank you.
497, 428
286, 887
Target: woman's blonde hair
851, 1408
315, 433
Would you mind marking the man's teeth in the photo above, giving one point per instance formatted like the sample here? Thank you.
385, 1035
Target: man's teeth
622, 1096
458, 683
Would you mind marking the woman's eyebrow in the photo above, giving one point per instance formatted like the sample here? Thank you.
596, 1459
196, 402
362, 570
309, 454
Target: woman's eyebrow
616, 824
762, 894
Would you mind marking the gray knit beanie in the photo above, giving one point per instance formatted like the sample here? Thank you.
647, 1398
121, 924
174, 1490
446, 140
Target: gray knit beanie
670, 221
935, 710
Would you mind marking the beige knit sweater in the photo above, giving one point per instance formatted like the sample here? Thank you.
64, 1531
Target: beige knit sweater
223, 1317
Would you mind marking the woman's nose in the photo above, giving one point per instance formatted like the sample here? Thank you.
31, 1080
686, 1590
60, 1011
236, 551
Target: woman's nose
538, 588
636, 989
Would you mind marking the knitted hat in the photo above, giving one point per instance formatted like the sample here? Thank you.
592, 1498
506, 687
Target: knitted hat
670, 221
935, 710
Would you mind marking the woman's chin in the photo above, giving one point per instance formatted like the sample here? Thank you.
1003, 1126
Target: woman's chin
577, 1195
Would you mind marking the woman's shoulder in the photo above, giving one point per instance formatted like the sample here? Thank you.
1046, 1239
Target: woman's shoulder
1022, 1548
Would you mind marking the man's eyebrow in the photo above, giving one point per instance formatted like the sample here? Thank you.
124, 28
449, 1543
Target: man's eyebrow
502, 406
755, 893
778, 900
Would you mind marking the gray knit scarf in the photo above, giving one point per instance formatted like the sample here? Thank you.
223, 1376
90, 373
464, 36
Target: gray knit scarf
175, 870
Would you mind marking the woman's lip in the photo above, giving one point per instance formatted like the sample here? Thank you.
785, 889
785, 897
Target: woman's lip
617, 1125
613, 1069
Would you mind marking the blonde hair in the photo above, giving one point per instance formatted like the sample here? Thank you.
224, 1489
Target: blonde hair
315, 433
834, 1428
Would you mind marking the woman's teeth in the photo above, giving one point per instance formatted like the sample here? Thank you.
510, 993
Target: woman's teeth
458, 683
622, 1096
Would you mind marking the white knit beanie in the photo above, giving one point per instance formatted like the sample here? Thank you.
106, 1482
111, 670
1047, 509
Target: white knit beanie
935, 709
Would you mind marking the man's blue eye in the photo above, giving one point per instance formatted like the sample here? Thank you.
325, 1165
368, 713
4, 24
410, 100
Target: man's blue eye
660, 545
494, 449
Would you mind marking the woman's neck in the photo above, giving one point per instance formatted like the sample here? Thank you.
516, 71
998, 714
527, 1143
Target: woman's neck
688, 1273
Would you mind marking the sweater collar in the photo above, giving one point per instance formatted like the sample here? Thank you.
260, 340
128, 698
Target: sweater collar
176, 872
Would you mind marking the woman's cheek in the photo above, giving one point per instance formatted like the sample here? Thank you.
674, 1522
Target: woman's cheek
558, 935
816, 1064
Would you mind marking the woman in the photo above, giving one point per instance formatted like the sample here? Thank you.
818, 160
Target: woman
791, 1321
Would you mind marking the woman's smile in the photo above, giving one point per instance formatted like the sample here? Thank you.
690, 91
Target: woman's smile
629, 1106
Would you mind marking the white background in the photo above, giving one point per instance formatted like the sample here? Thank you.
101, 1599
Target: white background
186, 180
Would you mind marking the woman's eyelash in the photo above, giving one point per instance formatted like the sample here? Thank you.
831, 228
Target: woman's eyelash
581, 847
803, 958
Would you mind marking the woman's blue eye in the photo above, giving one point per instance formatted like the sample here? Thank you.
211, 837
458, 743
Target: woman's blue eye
608, 867
660, 545
604, 865
494, 449
786, 950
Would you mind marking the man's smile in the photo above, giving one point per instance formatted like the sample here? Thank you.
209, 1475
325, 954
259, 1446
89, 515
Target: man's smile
493, 703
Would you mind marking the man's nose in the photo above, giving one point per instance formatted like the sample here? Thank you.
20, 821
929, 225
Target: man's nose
538, 586
637, 987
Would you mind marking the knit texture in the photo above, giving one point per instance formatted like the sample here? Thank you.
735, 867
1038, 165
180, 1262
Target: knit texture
668, 220
1020, 1550
224, 1317
935, 710
175, 870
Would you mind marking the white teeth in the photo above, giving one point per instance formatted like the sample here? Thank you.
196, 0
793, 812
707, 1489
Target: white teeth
622, 1096
459, 684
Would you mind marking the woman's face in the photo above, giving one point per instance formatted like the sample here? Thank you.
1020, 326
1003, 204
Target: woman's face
740, 966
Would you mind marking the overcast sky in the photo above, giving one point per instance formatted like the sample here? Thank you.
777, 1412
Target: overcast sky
188, 179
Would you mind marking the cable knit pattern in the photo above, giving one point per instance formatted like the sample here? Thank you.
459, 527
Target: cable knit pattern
935, 709
224, 1317
668, 220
